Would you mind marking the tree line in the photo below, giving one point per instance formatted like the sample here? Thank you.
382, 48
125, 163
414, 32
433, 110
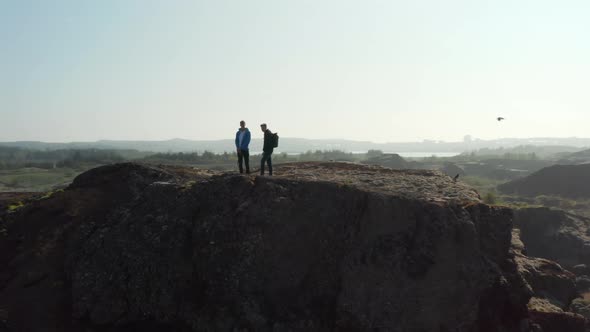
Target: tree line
14, 157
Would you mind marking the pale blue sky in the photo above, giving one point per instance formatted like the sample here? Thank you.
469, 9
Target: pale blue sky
365, 70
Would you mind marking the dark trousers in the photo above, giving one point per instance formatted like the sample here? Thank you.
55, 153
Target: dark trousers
245, 156
266, 158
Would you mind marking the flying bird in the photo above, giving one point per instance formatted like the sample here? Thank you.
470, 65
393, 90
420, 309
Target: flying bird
500, 118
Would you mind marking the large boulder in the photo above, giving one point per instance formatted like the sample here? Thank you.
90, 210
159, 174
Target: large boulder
322, 247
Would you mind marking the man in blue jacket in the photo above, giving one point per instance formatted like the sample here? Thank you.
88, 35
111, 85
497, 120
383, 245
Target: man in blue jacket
242, 142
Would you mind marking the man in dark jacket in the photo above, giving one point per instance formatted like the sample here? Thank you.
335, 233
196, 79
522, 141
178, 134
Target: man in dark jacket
267, 149
242, 141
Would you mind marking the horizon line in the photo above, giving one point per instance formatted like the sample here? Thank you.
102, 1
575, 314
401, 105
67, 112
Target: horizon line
425, 140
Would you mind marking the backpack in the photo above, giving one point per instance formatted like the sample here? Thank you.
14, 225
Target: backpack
274, 139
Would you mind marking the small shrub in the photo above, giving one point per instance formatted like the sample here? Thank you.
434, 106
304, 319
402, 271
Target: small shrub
50, 193
15, 206
490, 198
12, 182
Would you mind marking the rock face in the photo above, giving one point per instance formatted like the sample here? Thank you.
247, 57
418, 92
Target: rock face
322, 247
562, 180
555, 235
558, 239
547, 279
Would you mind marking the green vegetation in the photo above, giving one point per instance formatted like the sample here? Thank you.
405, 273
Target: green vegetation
16, 158
35, 170
487, 189
482, 184
331, 155
580, 206
50, 193
374, 153
490, 198
24, 170
521, 152
37, 179
15, 206
228, 160
206, 157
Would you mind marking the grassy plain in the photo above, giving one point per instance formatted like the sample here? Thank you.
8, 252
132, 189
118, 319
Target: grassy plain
37, 179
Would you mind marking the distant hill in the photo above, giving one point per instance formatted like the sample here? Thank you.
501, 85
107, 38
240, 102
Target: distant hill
287, 144
388, 160
503, 169
299, 145
562, 180
173, 145
580, 157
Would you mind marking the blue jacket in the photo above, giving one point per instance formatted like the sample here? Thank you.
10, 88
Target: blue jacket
245, 140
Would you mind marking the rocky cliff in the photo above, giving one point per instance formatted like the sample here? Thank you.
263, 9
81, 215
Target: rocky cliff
321, 247
554, 291
563, 238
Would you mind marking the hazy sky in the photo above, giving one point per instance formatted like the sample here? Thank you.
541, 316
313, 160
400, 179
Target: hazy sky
366, 70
